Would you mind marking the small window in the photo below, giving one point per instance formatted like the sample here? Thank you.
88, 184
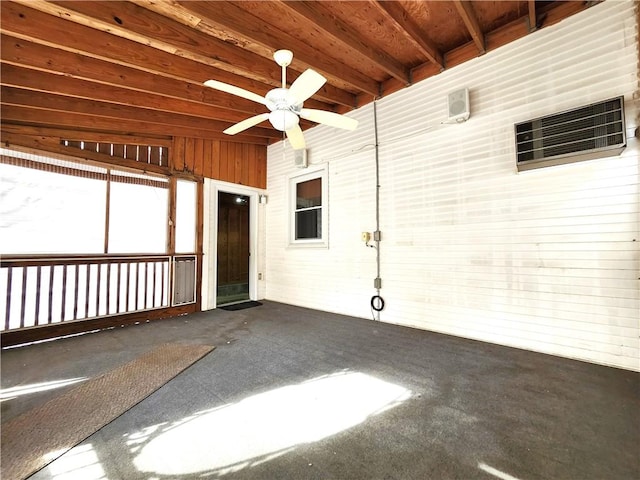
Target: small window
308, 224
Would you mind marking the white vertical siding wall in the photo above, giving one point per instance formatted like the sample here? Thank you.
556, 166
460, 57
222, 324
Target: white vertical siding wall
545, 260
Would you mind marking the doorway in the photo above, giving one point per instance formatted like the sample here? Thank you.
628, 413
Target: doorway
233, 252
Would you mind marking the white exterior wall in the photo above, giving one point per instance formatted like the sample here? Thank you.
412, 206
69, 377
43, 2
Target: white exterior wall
545, 260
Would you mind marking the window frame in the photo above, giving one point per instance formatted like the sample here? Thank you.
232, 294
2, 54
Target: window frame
321, 172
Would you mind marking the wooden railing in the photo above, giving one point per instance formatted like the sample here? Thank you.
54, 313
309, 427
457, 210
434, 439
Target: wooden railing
46, 290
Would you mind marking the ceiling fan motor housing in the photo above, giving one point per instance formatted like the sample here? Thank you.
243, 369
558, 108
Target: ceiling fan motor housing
284, 109
281, 99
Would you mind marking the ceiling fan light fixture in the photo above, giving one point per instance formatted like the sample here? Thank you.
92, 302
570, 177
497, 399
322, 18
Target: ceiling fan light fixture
283, 57
283, 120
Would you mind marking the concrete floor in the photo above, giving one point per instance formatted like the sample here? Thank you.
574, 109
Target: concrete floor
292, 393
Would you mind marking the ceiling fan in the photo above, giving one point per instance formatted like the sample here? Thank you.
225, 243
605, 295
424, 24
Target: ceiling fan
285, 104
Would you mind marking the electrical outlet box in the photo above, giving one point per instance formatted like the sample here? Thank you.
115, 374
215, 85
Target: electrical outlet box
377, 235
377, 282
366, 237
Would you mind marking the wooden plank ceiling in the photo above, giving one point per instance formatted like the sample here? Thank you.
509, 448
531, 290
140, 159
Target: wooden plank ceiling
137, 67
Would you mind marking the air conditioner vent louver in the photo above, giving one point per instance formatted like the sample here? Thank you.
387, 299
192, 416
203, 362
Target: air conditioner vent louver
594, 131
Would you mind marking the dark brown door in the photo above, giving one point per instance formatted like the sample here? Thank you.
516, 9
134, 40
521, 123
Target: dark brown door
233, 248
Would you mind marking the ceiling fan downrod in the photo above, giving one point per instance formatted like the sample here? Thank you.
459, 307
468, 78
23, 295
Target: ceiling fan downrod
283, 58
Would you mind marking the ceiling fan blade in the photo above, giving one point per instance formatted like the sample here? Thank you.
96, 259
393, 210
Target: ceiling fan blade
308, 83
248, 123
329, 118
296, 138
240, 92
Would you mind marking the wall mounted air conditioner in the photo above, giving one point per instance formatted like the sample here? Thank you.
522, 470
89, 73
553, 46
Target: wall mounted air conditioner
585, 133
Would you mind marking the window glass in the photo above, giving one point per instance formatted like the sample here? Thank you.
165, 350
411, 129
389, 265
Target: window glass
308, 224
137, 214
185, 216
47, 212
309, 193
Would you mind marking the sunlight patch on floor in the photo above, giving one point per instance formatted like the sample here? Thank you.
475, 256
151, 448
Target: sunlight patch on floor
79, 463
263, 426
495, 472
14, 392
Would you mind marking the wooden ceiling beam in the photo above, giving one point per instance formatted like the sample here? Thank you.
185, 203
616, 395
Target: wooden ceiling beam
497, 38
228, 20
20, 77
87, 135
35, 116
470, 19
319, 17
395, 13
45, 57
24, 78
532, 18
86, 50
59, 103
553, 13
146, 27
39, 27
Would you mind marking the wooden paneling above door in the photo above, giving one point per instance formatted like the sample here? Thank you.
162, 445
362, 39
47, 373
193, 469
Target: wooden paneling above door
240, 163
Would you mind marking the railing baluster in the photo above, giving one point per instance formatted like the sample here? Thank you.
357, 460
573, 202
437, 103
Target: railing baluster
162, 283
23, 298
38, 292
170, 286
118, 300
154, 294
87, 290
146, 283
137, 284
50, 313
75, 292
108, 287
98, 290
64, 292
7, 317
128, 286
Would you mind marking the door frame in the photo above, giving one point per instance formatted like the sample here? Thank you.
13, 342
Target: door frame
210, 239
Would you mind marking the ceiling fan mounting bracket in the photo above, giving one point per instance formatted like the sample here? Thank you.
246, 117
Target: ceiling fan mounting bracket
283, 57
